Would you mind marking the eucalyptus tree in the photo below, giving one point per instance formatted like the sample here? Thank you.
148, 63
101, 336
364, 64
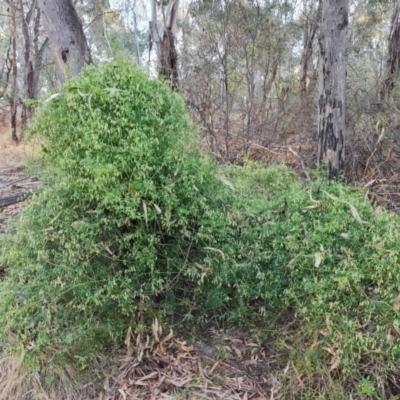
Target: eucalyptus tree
164, 38
311, 18
393, 62
34, 47
67, 39
13, 97
237, 64
332, 85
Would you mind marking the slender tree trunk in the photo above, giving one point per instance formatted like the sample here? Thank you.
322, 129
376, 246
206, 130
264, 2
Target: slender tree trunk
393, 63
26, 39
135, 29
312, 16
6, 70
38, 54
67, 39
332, 85
14, 94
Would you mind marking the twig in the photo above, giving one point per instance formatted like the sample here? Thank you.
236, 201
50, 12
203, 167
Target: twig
304, 169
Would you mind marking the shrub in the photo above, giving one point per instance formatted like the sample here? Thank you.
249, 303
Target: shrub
129, 204
134, 222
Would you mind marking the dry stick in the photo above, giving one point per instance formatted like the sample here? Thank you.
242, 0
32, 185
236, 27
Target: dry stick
16, 198
304, 169
15, 181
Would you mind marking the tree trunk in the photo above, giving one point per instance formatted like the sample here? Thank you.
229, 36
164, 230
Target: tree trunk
393, 63
312, 16
332, 85
67, 39
169, 58
165, 42
6, 70
26, 39
14, 94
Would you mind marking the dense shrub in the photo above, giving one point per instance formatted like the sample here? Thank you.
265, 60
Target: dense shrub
134, 222
129, 204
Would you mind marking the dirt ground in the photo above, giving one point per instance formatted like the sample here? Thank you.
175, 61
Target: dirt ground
14, 178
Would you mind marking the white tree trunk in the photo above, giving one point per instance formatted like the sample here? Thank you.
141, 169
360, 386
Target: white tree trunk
332, 85
67, 39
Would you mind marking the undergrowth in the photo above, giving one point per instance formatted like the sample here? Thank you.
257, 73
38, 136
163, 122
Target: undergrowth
135, 222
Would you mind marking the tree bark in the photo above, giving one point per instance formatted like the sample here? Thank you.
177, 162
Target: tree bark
67, 39
164, 41
312, 16
332, 85
26, 38
14, 90
393, 63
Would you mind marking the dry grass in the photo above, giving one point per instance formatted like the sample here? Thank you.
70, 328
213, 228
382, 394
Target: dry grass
11, 153
19, 383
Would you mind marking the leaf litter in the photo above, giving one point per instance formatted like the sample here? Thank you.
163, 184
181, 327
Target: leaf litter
166, 367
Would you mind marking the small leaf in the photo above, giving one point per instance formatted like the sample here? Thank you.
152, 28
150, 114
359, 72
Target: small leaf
157, 208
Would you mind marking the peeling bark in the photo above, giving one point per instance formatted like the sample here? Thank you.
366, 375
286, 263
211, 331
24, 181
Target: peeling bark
332, 85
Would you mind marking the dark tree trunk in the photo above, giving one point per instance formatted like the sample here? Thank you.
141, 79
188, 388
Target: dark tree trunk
164, 41
67, 39
393, 63
169, 58
332, 85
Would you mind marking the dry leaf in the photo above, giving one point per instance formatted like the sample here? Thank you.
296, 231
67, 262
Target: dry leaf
123, 394
178, 383
129, 347
168, 337
396, 303
217, 250
334, 362
355, 214
318, 259
145, 211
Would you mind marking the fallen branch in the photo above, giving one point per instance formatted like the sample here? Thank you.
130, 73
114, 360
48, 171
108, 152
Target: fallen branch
15, 198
